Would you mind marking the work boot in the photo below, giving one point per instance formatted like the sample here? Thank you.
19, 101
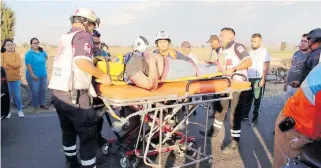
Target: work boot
232, 147
254, 120
212, 132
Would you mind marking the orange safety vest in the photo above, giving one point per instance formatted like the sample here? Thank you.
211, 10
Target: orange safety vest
305, 105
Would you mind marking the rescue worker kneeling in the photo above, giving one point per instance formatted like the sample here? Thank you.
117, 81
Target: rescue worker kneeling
300, 120
71, 84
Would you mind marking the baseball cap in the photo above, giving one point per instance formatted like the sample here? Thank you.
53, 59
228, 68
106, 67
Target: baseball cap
212, 37
185, 44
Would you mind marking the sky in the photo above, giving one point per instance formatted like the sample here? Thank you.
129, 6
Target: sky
195, 21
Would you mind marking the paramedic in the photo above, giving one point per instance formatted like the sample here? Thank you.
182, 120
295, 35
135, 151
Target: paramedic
235, 60
71, 84
99, 52
300, 120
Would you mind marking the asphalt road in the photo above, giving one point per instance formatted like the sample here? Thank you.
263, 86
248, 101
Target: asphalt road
35, 141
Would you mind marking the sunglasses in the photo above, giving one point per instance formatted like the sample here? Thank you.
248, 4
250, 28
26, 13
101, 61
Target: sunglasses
96, 43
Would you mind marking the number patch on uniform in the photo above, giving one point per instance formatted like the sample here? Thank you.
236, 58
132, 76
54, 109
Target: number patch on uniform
240, 49
87, 48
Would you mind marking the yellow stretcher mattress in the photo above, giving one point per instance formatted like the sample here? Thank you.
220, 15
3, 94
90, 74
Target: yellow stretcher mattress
123, 92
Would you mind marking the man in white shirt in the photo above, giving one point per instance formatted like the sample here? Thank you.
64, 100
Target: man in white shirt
186, 50
257, 74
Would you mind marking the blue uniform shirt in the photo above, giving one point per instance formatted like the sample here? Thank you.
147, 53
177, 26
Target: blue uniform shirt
37, 62
101, 52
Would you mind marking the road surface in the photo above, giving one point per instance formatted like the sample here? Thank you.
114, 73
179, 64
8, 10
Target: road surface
35, 141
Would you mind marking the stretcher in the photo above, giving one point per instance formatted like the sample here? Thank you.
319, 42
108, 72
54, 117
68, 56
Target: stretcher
158, 115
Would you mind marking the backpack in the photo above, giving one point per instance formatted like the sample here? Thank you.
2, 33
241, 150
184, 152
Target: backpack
116, 70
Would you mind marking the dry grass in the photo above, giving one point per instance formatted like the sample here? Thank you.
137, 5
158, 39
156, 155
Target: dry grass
202, 53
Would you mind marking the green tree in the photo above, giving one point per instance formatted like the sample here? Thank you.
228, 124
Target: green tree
8, 21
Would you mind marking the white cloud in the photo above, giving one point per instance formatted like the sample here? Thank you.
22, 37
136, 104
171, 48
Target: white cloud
129, 14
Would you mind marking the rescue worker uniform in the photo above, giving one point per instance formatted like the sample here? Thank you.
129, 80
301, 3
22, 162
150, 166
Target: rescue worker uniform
230, 56
71, 98
300, 120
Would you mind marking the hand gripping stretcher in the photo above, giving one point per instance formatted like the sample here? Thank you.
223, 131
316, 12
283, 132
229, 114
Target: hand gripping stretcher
159, 129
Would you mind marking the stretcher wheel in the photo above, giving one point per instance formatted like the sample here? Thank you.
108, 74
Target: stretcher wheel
135, 163
124, 162
105, 148
190, 152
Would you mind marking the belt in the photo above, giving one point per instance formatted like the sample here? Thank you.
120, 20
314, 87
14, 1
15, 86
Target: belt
80, 91
294, 85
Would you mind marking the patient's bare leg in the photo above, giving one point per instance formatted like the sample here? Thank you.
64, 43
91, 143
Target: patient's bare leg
160, 64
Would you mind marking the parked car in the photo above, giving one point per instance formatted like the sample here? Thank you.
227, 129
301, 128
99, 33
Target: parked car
5, 97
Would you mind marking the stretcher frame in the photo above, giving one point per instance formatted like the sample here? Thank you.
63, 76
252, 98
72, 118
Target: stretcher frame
157, 122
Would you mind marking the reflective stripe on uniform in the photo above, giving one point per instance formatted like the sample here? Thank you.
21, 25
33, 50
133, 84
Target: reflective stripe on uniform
235, 133
70, 147
70, 153
88, 162
218, 124
70, 150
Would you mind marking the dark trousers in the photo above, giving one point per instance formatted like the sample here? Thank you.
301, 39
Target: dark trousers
256, 94
236, 110
77, 120
100, 127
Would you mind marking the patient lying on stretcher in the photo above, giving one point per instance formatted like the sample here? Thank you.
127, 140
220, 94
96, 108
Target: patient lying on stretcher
146, 69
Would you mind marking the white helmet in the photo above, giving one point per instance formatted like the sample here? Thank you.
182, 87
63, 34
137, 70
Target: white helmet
88, 14
162, 35
141, 44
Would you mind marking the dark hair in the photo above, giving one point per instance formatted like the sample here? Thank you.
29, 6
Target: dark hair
257, 35
96, 34
39, 48
305, 35
4, 43
102, 45
228, 29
